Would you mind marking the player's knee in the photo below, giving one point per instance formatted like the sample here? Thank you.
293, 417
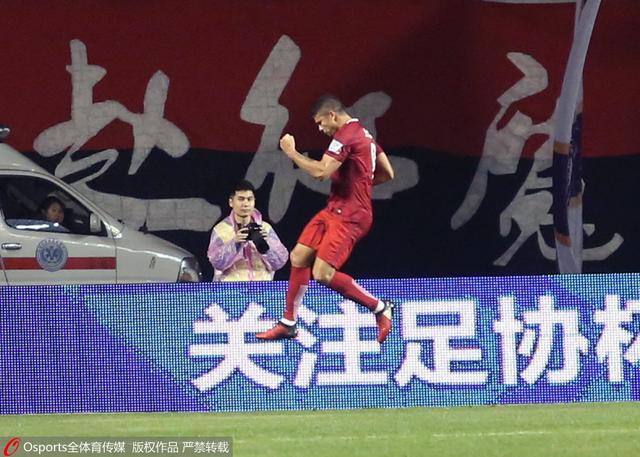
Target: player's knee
297, 260
322, 275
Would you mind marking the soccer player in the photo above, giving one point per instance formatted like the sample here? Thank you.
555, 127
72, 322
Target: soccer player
354, 162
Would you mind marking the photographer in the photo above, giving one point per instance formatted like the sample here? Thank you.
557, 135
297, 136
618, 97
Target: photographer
243, 247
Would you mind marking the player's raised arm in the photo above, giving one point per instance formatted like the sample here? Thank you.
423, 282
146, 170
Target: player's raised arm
319, 169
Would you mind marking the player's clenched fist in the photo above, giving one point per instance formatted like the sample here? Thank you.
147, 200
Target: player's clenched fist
288, 143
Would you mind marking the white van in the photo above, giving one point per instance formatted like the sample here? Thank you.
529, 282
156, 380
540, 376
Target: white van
87, 246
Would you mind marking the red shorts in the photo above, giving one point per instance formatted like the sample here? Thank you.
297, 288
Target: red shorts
332, 237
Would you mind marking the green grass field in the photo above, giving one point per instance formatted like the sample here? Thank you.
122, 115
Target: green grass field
591, 429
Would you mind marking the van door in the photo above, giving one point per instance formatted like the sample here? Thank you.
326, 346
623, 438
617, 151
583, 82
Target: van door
37, 248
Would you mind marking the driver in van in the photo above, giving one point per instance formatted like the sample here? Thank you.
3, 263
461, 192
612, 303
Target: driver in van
52, 210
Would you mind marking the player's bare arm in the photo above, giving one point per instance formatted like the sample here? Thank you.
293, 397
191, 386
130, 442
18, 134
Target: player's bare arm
319, 169
384, 171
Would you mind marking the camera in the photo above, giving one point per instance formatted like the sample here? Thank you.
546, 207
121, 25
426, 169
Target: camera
254, 233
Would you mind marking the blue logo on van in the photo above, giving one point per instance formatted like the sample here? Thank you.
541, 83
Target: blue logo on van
51, 254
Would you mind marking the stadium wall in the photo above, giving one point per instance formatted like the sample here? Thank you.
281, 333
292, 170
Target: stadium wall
180, 347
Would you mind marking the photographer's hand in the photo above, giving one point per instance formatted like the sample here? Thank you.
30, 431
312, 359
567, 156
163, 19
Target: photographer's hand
241, 235
264, 232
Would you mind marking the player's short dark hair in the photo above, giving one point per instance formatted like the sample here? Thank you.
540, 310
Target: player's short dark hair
327, 102
241, 185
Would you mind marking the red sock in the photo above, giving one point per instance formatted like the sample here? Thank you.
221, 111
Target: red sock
298, 283
348, 288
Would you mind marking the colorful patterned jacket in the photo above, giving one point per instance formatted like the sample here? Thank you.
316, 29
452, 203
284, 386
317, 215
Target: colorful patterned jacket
241, 261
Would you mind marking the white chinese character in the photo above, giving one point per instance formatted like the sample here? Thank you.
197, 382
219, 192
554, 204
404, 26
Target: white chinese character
211, 447
235, 353
351, 321
614, 336
501, 152
150, 130
573, 342
442, 336
173, 447
120, 447
224, 447
199, 447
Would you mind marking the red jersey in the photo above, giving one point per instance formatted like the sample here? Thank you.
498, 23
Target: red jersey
351, 184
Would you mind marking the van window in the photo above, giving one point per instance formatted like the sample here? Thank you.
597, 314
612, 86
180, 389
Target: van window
36, 204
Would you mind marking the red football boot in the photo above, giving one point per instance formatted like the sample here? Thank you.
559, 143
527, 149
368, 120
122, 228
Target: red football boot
383, 320
279, 331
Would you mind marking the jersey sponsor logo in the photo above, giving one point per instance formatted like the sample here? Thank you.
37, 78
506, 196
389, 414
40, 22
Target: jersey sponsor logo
335, 147
51, 255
